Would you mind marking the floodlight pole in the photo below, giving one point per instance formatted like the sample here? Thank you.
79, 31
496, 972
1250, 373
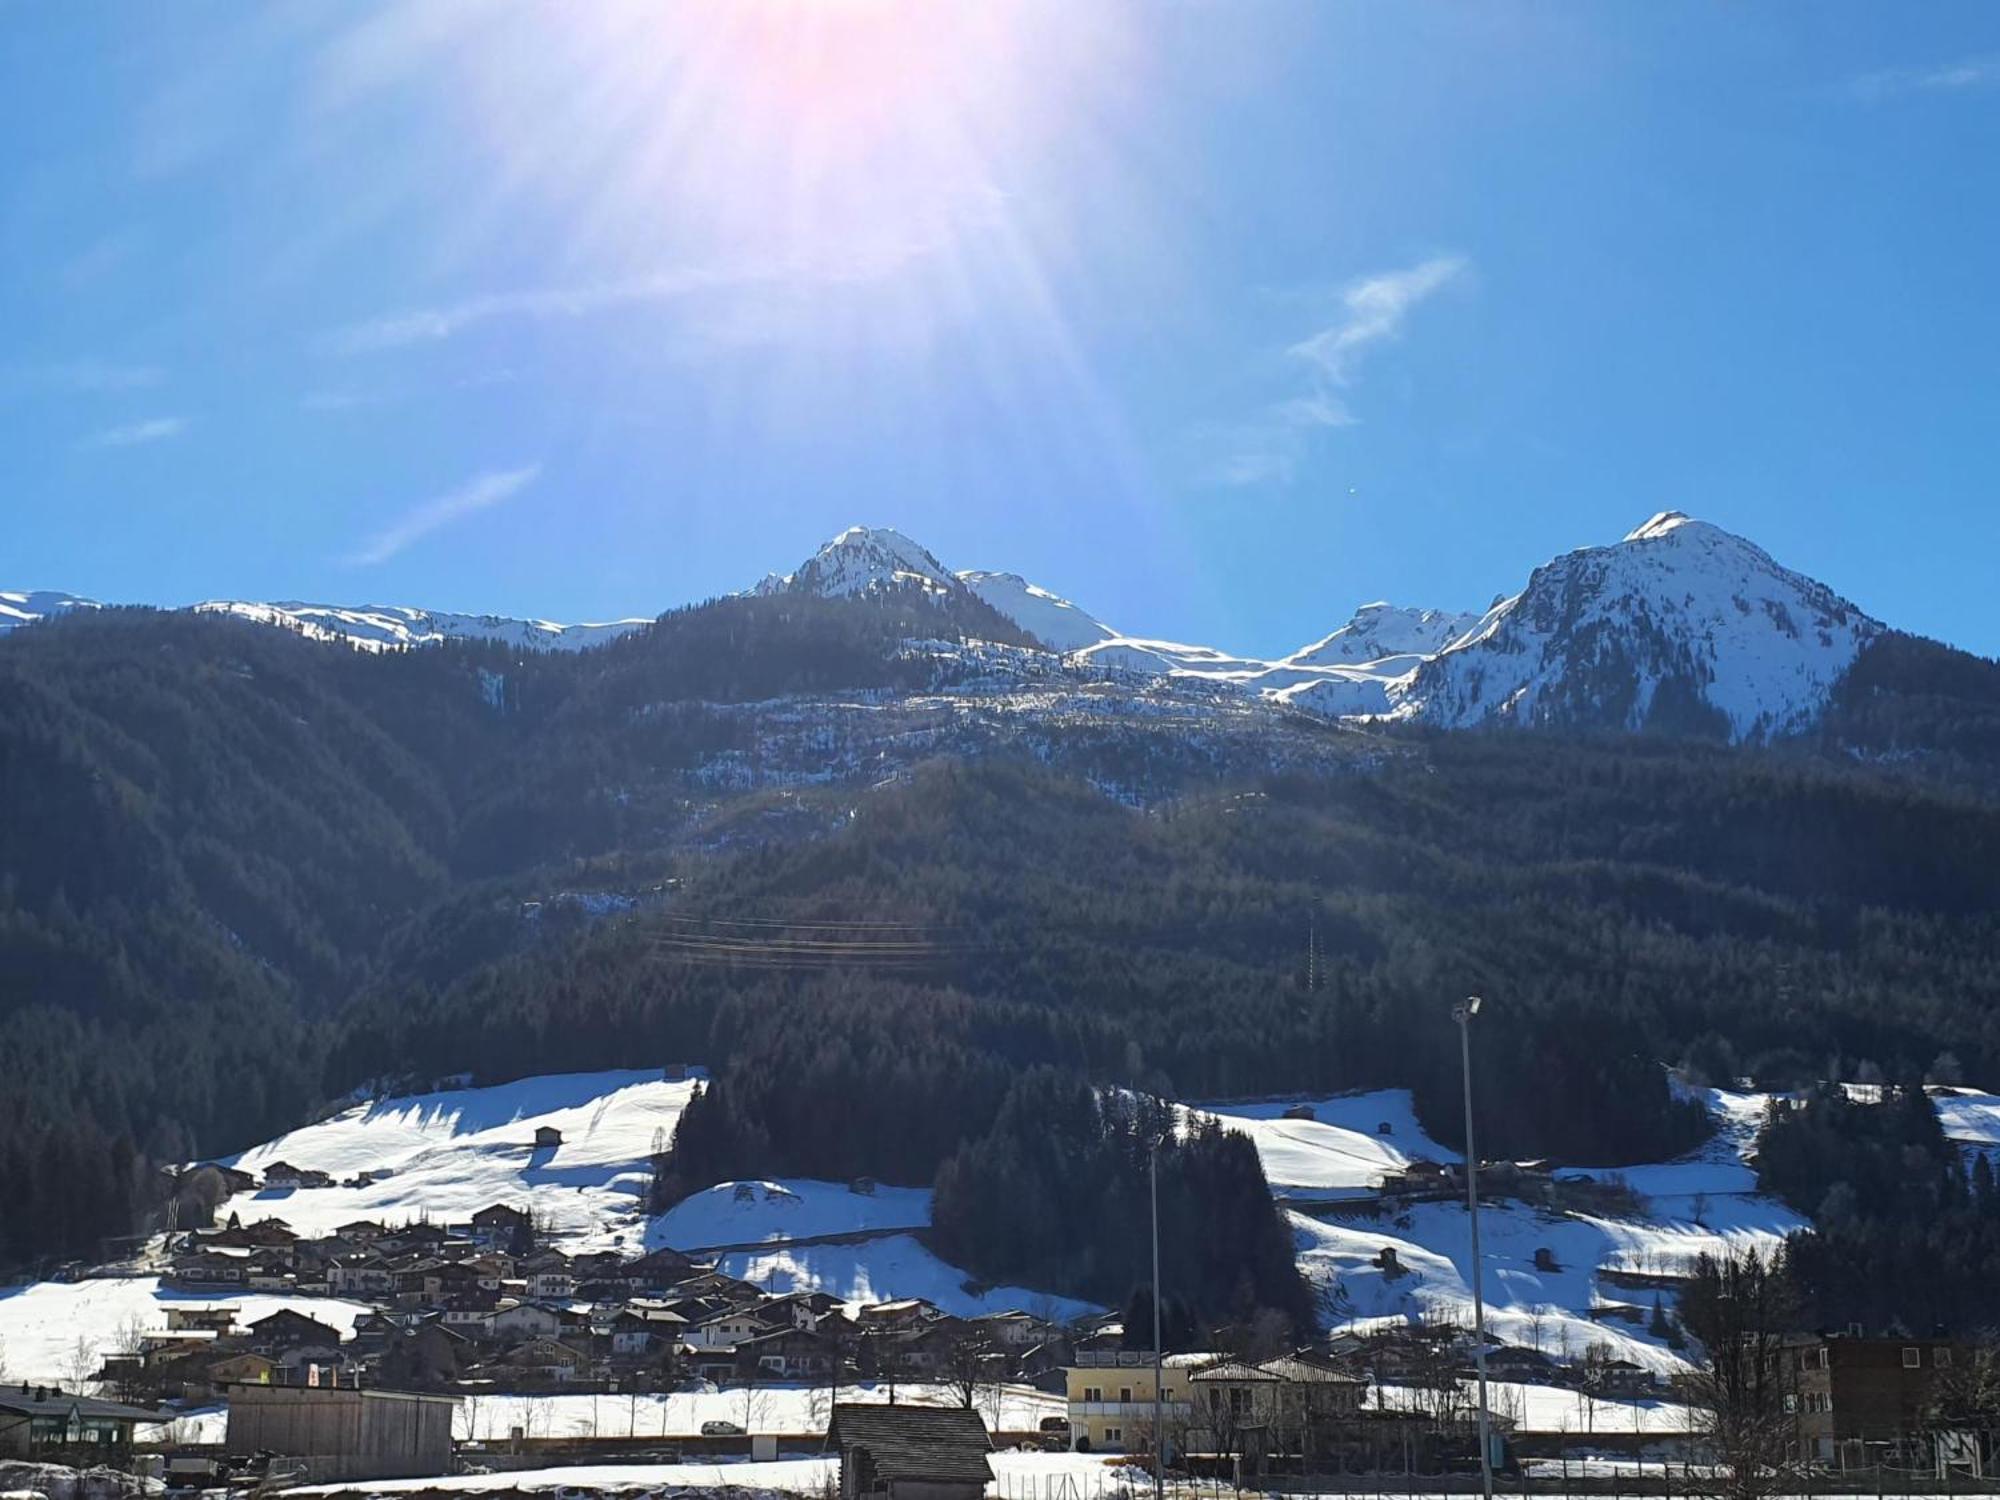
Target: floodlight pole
1159, 1403
1463, 1014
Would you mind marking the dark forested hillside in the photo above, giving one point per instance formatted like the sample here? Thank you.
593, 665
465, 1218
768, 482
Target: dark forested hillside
241, 871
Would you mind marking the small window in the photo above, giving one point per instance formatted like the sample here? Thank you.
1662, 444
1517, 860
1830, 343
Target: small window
1114, 1434
1124, 1393
1791, 1403
1913, 1358
1825, 1357
1941, 1357
1093, 1393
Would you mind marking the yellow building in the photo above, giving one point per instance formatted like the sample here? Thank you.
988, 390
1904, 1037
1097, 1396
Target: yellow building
1111, 1398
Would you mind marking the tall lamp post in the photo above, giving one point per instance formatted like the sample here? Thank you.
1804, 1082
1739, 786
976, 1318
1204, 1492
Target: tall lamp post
1463, 1013
1159, 1398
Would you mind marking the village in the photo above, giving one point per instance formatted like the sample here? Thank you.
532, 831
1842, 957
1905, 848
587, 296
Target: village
374, 1317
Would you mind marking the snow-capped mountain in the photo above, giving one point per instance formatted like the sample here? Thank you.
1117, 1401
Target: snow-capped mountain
1680, 625
384, 627
864, 560
366, 627
26, 607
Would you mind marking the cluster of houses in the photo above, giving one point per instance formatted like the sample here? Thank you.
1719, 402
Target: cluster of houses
487, 1304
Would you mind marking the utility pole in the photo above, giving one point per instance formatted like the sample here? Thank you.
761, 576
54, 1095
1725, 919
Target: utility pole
1159, 1403
1463, 1014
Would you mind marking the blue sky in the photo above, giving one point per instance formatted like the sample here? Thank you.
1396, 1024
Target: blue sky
1218, 318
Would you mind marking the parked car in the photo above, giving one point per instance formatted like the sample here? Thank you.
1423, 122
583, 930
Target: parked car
720, 1429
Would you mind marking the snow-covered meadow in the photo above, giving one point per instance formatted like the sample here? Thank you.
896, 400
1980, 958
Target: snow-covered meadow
43, 1324
451, 1153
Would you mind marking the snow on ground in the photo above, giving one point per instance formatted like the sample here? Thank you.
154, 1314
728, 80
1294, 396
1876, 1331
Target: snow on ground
894, 1266
1969, 1115
1531, 1308
790, 1411
748, 1213
1339, 1153
787, 1410
1551, 1408
1017, 1476
1704, 1202
40, 1325
455, 1152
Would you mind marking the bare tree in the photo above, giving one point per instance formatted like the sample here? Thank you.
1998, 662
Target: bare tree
79, 1367
1966, 1394
819, 1406
756, 1407
1740, 1309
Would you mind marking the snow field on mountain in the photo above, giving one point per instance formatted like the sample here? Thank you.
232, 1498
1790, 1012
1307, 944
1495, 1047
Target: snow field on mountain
1705, 1202
747, 1213
1341, 1152
455, 1152
41, 1324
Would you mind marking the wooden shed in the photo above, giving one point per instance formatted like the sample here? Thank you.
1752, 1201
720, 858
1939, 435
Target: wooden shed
343, 1432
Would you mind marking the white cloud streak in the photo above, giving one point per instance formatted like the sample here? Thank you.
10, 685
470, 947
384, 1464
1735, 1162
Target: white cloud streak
1981, 71
477, 494
1373, 310
77, 377
132, 434
1269, 448
867, 262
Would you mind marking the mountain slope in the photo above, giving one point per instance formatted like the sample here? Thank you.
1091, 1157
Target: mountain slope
1681, 626
1049, 618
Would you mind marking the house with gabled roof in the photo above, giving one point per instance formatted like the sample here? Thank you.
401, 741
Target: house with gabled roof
910, 1452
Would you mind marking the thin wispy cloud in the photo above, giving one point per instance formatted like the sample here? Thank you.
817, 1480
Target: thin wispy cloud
479, 493
1373, 310
78, 377
356, 398
871, 259
1977, 72
427, 325
1270, 447
132, 434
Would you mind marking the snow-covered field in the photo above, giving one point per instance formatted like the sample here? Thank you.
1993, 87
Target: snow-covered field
41, 1325
789, 1411
748, 1213
1553, 1408
1703, 1202
1969, 1116
1342, 1151
455, 1152
1020, 1475
885, 1269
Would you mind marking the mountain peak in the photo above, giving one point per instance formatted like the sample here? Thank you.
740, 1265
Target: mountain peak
864, 560
1680, 625
1663, 523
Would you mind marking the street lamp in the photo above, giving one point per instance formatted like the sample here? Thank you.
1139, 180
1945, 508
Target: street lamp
1159, 1396
1463, 1013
